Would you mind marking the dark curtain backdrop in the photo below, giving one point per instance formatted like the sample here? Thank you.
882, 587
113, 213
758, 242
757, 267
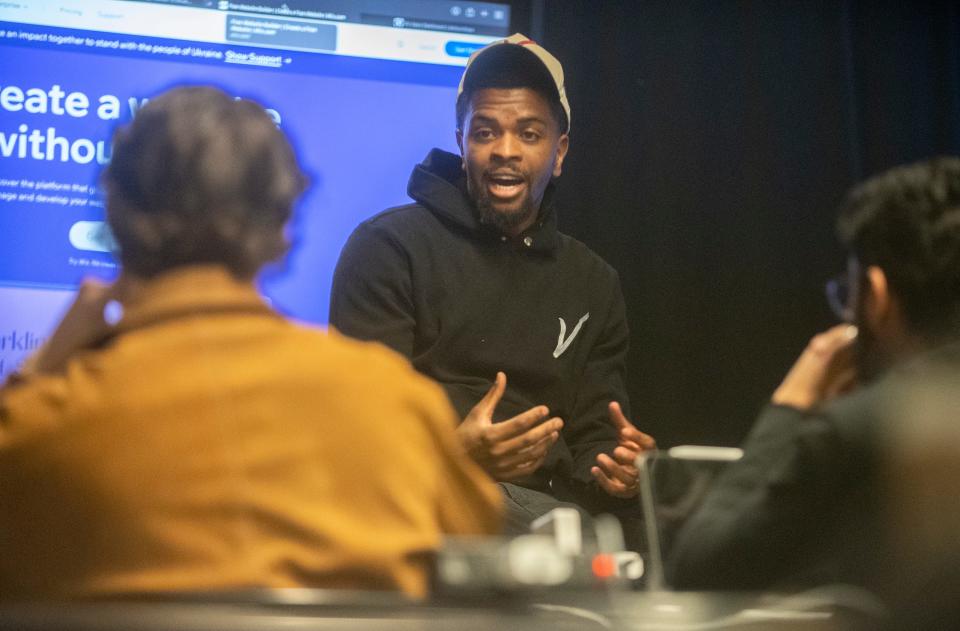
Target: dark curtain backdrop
712, 143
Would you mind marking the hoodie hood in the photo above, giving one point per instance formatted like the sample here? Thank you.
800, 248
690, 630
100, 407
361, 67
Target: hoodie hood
440, 185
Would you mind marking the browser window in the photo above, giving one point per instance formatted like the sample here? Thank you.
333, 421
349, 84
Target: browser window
364, 88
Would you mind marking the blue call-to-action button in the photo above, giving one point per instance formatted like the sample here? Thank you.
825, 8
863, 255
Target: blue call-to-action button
462, 49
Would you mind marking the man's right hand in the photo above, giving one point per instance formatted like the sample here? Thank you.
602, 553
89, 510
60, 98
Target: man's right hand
513, 448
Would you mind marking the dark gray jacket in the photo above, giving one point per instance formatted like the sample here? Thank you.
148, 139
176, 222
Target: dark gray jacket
804, 505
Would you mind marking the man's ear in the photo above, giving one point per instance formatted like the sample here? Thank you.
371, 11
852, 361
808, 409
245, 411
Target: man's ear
877, 299
562, 145
882, 310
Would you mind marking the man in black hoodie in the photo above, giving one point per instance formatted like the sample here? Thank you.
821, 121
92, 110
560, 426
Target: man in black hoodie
474, 282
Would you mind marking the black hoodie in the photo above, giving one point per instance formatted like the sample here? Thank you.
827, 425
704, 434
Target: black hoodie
462, 301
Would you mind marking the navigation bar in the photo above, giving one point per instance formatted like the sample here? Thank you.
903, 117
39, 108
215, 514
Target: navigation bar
399, 40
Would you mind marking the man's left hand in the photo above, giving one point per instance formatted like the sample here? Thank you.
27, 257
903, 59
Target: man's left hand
618, 475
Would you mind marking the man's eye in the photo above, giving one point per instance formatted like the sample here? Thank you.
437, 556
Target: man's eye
530, 136
483, 134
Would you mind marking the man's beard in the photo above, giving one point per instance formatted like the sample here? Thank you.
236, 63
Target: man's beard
504, 221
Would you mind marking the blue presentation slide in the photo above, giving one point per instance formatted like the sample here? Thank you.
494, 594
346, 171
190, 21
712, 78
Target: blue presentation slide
358, 125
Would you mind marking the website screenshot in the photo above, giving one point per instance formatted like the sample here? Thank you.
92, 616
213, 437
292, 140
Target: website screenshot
363, 88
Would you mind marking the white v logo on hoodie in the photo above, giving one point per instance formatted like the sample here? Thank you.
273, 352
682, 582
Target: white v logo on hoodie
563, 344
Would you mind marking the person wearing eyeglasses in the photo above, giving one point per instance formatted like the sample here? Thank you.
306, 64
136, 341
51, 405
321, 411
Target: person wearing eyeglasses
804, 504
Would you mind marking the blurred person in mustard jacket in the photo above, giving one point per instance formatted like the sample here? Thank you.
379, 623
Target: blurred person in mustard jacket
203, 442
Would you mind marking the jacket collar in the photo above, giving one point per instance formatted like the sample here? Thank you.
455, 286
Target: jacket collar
438, 183
189, 291
944, 355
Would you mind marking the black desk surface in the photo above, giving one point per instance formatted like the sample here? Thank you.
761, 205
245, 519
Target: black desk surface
309, 609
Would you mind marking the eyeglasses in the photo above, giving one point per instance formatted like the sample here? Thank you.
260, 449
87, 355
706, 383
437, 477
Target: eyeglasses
840, 296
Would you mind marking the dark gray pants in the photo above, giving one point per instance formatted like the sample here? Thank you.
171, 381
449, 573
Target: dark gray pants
523, 505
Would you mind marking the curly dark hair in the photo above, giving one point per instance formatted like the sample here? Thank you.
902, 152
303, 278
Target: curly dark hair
200, 177
906, 221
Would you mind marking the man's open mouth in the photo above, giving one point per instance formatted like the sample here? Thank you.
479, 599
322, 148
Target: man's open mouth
505, 185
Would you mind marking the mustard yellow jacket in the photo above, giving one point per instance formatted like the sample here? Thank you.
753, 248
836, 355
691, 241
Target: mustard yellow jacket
212, 444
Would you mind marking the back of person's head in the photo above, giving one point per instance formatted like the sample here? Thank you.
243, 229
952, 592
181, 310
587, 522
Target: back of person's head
906, 221
200, 177
507, 66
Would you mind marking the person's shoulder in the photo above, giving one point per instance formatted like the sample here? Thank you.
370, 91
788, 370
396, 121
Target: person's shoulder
377, 358
401, 226
397, 218
847, 429
366, 367
856, 404
863, 416
854, 417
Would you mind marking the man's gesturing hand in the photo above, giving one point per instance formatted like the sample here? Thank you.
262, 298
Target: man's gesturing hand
618, 475
513, 448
